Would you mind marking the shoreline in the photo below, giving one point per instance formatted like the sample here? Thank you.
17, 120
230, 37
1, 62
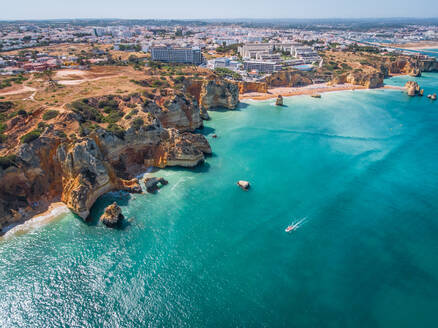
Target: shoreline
56, 210
302, 91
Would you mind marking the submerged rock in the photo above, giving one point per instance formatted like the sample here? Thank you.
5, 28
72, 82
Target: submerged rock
112, 215
152, 184
316, 95
243, 184
279, 101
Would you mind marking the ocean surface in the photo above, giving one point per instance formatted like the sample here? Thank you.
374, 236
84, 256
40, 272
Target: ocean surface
360, 166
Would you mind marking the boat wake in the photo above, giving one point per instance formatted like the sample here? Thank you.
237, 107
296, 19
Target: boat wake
295, 225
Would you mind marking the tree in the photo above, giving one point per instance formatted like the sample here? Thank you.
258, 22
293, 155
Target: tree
48, 74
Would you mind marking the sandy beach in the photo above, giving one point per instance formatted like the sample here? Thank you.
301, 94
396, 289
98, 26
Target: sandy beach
56, 210
421, 45
308, 90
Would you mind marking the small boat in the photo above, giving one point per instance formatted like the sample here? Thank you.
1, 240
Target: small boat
294, 225
290, 228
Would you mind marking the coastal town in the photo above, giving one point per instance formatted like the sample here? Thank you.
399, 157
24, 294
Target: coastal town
244, 52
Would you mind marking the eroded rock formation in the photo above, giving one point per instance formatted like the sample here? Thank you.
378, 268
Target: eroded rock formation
112, 216
100, 157
412, 88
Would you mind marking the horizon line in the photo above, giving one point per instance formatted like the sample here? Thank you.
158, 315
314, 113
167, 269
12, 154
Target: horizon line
217, 19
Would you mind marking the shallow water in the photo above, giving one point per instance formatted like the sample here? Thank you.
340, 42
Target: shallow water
362, 166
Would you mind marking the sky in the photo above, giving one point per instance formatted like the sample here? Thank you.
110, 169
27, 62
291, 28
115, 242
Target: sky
196, 9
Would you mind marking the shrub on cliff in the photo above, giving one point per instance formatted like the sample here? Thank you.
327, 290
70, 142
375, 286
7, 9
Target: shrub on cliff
87, 112
7, 161
116, 130
50, 114
31, 136
138, 123
5, 105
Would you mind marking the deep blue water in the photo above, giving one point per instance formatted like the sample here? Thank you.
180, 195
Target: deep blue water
362, 166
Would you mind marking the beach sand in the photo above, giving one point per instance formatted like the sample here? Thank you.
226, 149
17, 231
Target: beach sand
55, 211
308, 90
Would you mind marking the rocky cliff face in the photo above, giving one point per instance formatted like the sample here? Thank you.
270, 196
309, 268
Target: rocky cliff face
219, 93
215, 93
100, 157
370, 80
245, 86
179, 112
287, 79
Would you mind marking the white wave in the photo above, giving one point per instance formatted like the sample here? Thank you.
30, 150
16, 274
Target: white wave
55, 210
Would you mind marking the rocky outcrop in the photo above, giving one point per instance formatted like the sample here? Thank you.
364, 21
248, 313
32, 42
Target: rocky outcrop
152, 184
428, 65
180, 113
218, 94
412, 88
368, 80
112, 216
287, 79
246, 86
213, 93
279, 101
78, 171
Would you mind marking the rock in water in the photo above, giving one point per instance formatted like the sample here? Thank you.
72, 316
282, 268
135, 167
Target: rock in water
112, 215
243, 184
316, 95
279, 101
433, 97
152, 184
412, 88
421, 93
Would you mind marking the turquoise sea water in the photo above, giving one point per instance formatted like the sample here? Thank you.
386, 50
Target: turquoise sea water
362, 166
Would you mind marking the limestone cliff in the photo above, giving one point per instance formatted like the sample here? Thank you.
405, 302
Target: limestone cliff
181, 113
215, 93
98, 158
287, 79
245, 86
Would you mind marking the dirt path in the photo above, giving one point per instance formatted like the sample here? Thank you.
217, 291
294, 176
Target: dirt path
24, 89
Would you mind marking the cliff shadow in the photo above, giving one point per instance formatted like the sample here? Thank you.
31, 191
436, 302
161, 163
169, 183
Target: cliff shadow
200, 168
206, 131
242, 105
120, 197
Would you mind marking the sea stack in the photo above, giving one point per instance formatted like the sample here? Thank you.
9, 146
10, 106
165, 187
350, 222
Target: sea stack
433, 97
412, 88
243, 185
112, 216
152, 184
316, 95
279, 101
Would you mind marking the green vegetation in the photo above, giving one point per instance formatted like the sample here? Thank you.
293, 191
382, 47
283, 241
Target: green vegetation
227, 73
7, 161
5, 106
19, 79
50, 114
87, 112
126, 47
356, 48
116, 130
31, 136
224, 48
138, 123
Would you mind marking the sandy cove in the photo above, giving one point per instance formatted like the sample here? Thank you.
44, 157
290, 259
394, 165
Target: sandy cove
307, 90
55, 211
